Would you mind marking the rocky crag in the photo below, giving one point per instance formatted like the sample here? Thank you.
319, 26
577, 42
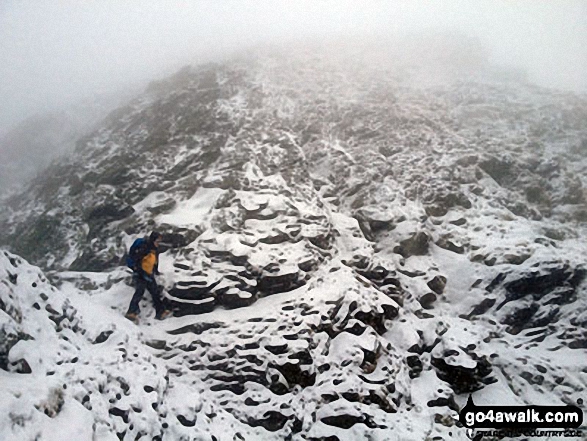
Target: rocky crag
351, 249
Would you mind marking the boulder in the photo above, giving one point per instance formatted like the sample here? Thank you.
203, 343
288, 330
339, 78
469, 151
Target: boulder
437, 284
416, 245
464, 379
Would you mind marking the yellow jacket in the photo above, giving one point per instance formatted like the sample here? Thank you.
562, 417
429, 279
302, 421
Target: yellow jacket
149, 262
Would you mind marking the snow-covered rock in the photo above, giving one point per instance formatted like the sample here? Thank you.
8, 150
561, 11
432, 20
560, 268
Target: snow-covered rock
348, 255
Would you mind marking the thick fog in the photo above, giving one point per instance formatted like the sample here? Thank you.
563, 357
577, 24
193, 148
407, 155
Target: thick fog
56, 52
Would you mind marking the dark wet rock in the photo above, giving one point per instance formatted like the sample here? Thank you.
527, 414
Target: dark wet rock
416, 245
521, 209
502, 170
282, 281
358, 261
437, 284
376, 318
393, 292
347, 421
520, 317
450, 244
516, 259
533, 300
427, 300
415, 365
381, 401
482, 307
7, 341
156, 344
411, 274
174, 237
13, 278
322, 241
20, 366
217, 254
272, 421
93, 261
463, 379
191, 292
580, 343
555, 234
356, 328
36, 237
379, 275
309, 264
527, 316
235, 387
277, 349
541, 282
186, 422
182, 307
490, 261
104, 335
537, 194
444, 402
480, 257
98, 216
532, 378
294, 374
181, 266
496, 282
373, 222
115, 411
421, 314
236, 298
561, 296
459, 222
196, 328
440, 202
545, 316
162, 207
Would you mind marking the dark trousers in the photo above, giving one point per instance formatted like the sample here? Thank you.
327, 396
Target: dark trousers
141, 284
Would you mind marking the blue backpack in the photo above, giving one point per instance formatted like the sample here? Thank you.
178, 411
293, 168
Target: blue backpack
138, 250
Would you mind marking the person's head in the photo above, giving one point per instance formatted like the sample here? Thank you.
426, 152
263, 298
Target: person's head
155, 238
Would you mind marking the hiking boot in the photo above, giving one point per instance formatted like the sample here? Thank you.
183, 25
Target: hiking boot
133, 317
164, 314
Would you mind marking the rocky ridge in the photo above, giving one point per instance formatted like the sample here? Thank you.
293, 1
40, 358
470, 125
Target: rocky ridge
361, 252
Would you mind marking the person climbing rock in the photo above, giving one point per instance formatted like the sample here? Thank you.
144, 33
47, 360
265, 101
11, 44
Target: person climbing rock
143, 259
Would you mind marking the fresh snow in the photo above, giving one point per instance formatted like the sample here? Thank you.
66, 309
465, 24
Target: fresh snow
350, 256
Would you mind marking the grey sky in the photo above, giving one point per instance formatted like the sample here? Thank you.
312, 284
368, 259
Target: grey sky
55, 52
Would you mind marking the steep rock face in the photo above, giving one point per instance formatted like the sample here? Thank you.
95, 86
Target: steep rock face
347, 254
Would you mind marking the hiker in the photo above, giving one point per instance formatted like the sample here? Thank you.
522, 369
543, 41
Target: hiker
143, 259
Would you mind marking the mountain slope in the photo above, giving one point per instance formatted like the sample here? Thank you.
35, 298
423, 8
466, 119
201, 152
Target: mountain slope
349, 252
